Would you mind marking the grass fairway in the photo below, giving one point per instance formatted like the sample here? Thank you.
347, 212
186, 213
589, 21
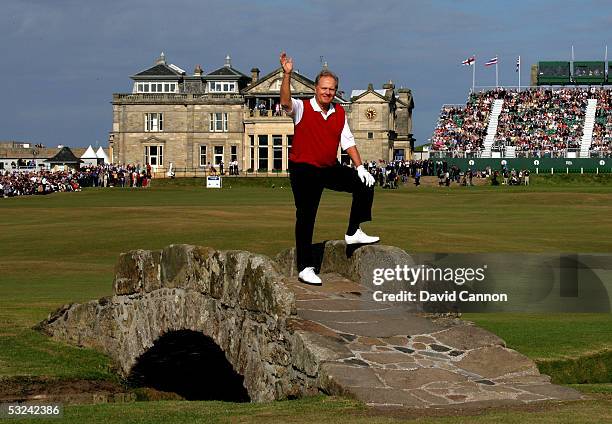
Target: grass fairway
62, 248
325, 410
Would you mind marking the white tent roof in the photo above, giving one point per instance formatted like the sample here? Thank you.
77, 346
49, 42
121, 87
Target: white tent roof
89, 153
101, 155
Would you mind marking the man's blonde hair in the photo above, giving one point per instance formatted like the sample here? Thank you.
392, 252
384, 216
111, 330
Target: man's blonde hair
326, 73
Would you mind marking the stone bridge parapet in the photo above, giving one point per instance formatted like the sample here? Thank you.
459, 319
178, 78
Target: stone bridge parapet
235, 297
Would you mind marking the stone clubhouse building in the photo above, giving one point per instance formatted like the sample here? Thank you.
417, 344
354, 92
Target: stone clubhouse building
193, 121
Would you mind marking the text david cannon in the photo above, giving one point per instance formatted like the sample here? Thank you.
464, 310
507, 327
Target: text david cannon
425, 296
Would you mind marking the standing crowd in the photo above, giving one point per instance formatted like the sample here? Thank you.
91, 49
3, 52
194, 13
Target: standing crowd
44, 182
15, 183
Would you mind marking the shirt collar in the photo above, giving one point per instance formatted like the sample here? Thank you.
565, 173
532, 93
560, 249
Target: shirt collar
317, 108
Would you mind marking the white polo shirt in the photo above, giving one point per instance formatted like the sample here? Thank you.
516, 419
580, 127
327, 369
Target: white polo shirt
297, 111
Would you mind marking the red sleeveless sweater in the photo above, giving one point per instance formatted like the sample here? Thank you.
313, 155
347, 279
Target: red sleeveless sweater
315, 139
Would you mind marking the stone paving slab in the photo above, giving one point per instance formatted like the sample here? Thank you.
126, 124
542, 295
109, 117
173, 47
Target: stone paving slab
388, 357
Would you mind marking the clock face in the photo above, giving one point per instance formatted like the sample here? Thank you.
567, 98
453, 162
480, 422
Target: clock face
370, 113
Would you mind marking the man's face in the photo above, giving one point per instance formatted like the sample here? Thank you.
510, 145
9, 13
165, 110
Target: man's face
325, 91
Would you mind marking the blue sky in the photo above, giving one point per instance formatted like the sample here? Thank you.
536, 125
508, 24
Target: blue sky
63, 59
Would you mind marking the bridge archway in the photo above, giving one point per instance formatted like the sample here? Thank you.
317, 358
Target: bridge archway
191, 365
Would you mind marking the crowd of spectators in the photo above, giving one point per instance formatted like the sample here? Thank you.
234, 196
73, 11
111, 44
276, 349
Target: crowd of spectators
542, 123
447, 174
389, 174
537, 122
15, 183
114, 175
602, 131
42, 182
510, 177
462, 130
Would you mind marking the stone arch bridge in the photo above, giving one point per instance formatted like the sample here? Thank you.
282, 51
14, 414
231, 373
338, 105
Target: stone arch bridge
283, 339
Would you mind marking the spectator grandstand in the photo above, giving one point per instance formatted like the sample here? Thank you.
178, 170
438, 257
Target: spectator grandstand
535, 122
602, 131
462, 129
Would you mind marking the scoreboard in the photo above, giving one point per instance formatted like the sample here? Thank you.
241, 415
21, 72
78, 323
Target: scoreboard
589, 72
553, 73
585, 73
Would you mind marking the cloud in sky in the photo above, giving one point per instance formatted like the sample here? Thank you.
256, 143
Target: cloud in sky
62, 60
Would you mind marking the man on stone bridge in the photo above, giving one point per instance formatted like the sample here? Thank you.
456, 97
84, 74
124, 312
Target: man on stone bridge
320, 127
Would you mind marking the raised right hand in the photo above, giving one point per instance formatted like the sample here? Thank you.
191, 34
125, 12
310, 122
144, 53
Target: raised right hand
286, 62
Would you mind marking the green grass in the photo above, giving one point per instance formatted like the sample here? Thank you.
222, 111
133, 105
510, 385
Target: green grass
549, 337
586, 369
571, 348
24, 352
575, 179
62, 248
323, 410
593, 388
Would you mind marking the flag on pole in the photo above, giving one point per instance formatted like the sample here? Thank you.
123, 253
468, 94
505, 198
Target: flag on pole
491, 62
469, 61
518, 64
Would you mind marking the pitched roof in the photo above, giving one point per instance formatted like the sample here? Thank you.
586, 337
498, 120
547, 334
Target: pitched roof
65, 155
357, 93
160, 70
295, 75
227, 71
27, 153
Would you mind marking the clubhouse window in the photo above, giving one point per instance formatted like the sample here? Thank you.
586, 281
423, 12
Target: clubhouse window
203, 157
252, 150
345, 159
222, 87
218, 154
154, 122
218, 122
289, 143
154, 155
156, 87
263, 153
277, 152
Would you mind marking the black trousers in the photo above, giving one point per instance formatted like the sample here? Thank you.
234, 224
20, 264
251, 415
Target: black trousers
307, 184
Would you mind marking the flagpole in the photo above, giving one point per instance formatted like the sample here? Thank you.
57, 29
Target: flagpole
519, 71
496, 75
474, 74
572, 64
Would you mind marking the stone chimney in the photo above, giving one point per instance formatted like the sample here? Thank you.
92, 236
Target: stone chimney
254, 75
161, 60
228, 61
197, 72
389, 85
405, 95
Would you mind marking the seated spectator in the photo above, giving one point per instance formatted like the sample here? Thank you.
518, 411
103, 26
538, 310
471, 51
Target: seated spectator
537, 122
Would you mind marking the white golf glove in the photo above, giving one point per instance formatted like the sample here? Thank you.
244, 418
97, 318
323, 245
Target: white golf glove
365, 176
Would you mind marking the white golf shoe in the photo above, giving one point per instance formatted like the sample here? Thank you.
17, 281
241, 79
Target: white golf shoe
308, 276
360, 238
